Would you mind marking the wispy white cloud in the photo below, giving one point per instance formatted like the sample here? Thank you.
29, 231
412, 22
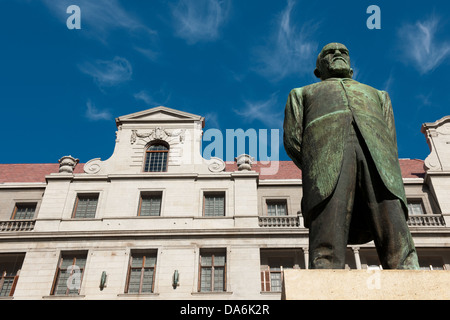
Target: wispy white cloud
420, 45
387, 86
94, 114
425, 99
144, 96
200, 20
100, 18
107, 73
212, 120
266, 112
157, 98
151, 54
290, 49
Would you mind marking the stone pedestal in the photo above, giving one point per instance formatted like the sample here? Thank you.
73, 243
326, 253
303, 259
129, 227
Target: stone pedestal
366, 285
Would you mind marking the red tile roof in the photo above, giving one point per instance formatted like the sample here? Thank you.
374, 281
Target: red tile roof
36, 172
30, 172
275, 170
411, 168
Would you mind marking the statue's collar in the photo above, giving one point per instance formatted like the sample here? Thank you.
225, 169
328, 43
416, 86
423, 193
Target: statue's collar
339, 79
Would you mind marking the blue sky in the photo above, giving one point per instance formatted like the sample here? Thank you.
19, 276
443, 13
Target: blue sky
232, 61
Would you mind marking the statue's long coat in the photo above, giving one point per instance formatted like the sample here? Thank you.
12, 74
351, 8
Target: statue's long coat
317, 121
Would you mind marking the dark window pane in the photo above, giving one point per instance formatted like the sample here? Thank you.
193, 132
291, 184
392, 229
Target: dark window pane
276, 208
142, 272
156, 159
212, 271
69, 274
150, 205
415, 208
25, 211
86, 206
214, 205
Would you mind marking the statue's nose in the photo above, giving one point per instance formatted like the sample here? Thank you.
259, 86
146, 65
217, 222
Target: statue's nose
337, 53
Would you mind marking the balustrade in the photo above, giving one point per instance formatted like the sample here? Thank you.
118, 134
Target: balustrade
16, 225
426, 220
279, 221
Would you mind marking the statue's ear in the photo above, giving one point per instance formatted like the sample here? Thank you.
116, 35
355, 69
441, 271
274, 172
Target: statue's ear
351, 73
317, 73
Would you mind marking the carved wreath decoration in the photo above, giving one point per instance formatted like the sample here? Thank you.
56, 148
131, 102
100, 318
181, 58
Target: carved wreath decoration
158, 133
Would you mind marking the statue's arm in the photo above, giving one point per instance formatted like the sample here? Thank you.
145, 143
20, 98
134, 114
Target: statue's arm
388, 114
293, 126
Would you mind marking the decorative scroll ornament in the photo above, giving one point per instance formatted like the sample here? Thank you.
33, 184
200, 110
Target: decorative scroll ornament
437, 135
432, 162
93, 166
216, 164
158, 133
445, 129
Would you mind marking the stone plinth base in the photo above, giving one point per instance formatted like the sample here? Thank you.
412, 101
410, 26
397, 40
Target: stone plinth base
366, 285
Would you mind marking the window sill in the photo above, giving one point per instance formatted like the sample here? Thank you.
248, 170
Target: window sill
270, 292
212, 293
82, 219
213, 217
64, 297
137, 295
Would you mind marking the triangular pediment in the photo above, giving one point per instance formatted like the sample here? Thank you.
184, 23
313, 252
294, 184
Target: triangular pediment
159, 114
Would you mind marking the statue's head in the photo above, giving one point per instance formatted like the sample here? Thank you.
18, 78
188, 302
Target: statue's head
333, 62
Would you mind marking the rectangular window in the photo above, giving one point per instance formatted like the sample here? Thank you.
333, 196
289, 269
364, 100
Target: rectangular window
276, 208
415, 207
85, 206
214, 204
212, 271
141, 272
150, 204
10, 265
69, 274
24, 211
272, 274
273, 262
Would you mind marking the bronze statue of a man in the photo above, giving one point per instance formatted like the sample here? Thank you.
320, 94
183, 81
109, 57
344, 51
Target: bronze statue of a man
341, 134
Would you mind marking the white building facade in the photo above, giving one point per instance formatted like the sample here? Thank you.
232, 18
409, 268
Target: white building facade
158, 221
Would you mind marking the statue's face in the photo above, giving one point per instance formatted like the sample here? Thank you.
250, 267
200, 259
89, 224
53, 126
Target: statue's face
334, 61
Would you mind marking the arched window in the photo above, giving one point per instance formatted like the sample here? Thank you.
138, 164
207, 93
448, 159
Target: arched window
156, 158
